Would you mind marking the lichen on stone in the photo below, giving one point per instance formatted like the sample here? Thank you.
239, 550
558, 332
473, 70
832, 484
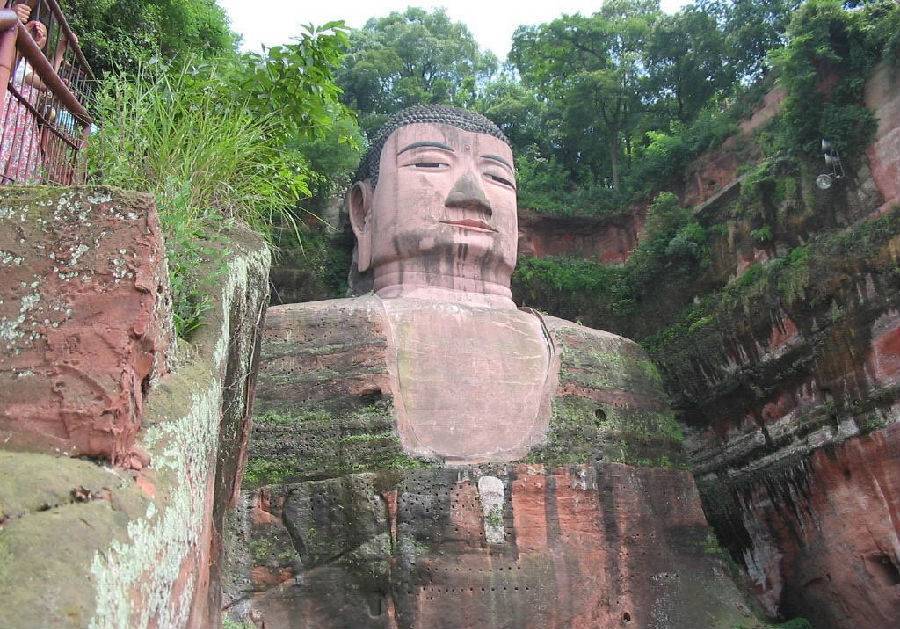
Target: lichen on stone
136, 579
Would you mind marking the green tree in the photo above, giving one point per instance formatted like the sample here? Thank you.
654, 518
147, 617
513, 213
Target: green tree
687, 61
752, 28
593, 69
527, 119
121, 33
294, 83
411, 58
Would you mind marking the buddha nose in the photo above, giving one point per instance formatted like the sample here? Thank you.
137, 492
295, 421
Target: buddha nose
468, 193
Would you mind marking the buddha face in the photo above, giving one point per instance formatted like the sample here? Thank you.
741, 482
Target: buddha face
444, 209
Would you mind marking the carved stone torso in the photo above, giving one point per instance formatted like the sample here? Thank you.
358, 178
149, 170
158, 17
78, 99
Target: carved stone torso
471, 383
355, 520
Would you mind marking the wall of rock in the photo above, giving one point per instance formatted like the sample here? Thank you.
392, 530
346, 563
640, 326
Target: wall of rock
782, 397
608, 240
782, 358
85, 320
884, 153
104, 540
791, 391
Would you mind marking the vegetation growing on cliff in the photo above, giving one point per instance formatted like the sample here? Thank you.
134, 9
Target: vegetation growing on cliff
630, 95
674, 243
823, 57
778, 284
824, 65
217, 141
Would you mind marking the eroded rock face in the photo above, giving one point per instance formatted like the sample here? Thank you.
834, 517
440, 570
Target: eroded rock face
883, 98
84, 543
608, 240
804, 488
823, 528
713, 171
85, 319
793, 407
521, 546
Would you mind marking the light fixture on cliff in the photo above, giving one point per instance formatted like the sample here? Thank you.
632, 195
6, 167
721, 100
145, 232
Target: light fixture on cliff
833, 159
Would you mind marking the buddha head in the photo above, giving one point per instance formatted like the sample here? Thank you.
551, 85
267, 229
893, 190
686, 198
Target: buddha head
434, 205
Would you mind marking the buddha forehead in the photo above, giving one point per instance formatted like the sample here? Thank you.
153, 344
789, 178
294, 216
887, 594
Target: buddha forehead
443, 120
446, 138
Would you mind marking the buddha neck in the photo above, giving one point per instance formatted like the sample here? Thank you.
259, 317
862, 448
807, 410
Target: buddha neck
392, 282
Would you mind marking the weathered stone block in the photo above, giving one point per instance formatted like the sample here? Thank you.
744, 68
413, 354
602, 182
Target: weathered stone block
85, 319
83, 544
607, 239
600, 545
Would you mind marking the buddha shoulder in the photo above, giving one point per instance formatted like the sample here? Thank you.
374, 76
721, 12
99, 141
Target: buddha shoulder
326, 324
602, 361
323, 352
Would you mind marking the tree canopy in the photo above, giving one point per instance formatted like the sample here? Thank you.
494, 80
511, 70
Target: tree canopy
119, 33
593, 69
411, 58
600, 108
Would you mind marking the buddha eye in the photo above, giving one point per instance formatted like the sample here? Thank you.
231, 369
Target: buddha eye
501, 180
431, 165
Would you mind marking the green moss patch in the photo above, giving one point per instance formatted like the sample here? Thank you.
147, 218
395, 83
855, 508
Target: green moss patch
313, 443
582, 430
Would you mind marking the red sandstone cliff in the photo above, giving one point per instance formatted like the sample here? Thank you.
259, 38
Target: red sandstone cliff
790, 385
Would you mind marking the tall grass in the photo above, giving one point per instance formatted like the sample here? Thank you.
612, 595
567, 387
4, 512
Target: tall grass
204, 157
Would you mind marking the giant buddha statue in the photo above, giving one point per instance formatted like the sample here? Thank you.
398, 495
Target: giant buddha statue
429, 455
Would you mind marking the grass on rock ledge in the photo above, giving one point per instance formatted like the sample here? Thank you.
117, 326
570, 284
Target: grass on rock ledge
205, 158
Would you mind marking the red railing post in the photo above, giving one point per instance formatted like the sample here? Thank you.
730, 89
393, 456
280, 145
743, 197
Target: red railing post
8, 33
61, 46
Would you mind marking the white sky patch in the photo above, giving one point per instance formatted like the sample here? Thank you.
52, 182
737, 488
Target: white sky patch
492, 23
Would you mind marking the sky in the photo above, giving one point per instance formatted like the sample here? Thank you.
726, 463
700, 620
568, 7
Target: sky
492, 22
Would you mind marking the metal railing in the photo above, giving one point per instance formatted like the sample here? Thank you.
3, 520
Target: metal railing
45, 85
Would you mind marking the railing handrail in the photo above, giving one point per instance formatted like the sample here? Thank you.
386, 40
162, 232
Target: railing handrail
44, 136
71, 40
8, 19
29, 49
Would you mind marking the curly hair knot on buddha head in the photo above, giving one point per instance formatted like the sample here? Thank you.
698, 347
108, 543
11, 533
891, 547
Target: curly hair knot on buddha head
439, 114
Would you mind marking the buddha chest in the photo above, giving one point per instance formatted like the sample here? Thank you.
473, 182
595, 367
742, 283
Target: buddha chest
471, 384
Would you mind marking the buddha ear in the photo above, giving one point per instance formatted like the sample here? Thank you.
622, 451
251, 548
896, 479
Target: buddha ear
360, 202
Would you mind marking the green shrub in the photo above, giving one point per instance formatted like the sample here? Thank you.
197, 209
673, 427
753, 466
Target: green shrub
667, 152
673, 241
824, 66
779, 283
544, 185
568, 286
206, 160
762, 234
